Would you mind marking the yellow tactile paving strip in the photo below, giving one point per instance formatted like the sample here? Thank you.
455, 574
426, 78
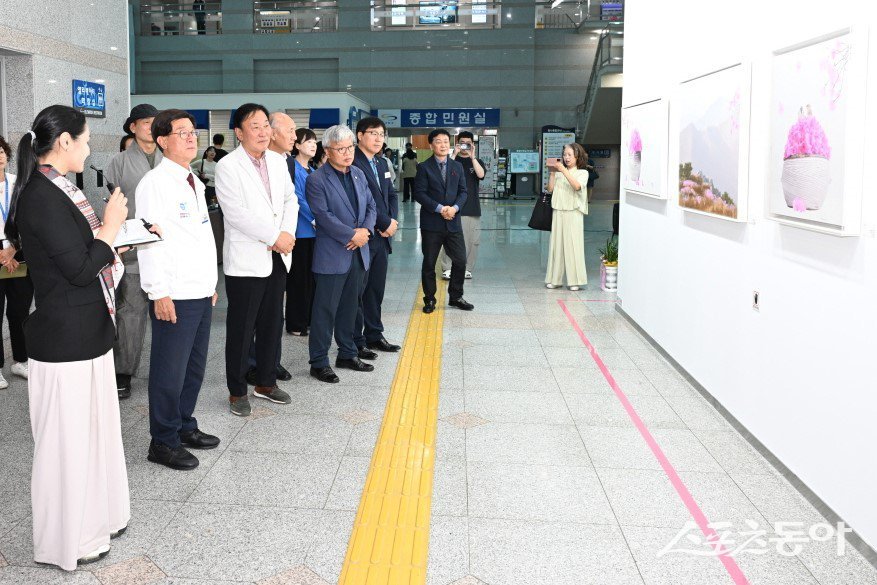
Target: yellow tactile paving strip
390, 539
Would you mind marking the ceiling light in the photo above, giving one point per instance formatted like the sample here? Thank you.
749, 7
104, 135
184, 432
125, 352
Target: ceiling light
556, 3
100, 80
114, 48
53, 81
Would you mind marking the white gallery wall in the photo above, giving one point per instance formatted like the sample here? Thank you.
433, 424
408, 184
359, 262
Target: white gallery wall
801, 373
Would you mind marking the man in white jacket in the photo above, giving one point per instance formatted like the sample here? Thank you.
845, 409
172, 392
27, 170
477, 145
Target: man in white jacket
179, 276
260, 210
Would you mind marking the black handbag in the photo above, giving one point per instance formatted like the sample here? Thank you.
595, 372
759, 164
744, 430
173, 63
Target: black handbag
542, 213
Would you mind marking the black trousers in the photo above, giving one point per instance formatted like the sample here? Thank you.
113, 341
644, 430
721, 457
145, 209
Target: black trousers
369, 326
255, 305
300, 285
408, 186
176, 369
455, 248
17, 296
335, 305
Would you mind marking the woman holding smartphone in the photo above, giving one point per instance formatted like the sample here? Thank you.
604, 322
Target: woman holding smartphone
79, 485
569, 201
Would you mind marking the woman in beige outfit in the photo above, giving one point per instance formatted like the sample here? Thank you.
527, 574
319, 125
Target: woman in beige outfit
569, 200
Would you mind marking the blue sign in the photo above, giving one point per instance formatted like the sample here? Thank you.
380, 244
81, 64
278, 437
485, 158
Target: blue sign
90, 98
438, 118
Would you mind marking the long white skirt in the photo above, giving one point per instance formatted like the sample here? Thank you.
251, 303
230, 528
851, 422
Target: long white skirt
79, 486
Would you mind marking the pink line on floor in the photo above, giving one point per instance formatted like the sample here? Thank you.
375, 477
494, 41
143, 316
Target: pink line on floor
586, 300
698, 515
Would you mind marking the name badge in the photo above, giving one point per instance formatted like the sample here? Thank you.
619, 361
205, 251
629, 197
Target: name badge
387, 175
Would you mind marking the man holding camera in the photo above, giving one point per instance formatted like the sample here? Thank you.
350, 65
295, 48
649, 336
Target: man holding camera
470, 213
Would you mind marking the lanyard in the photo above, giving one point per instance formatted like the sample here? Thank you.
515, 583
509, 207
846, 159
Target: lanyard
5, 209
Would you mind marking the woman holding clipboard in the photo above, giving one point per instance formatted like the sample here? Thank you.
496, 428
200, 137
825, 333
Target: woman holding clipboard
16, 287
79, 485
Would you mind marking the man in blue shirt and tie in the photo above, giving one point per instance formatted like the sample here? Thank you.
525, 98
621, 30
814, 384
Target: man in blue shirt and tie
370, 134
440, 188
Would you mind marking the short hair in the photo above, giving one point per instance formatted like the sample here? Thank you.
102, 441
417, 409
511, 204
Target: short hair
369, 123
336, 134
244, 112
466, 134
4, 146
302, 135
581, 156
438, 132
163, 123
218, 139
408, 145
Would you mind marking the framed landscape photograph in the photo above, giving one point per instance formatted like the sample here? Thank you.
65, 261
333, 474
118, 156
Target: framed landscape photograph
816, 138
644, 136
713, 112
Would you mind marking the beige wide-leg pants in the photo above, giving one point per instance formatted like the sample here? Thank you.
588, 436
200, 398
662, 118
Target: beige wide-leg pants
566, 249
472, 237
79, 486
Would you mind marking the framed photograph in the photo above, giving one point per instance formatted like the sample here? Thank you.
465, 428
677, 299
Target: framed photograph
644, 137
713, 140
816, 133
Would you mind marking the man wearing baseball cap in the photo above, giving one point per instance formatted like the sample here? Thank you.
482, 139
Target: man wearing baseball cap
125, 170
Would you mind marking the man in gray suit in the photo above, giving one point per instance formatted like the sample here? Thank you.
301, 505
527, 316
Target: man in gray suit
125, 170
345, 214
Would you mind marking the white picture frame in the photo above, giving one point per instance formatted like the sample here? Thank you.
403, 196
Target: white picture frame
712, 112
817, 103
645, 131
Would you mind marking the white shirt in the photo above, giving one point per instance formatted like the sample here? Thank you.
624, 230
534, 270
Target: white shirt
183, 266
9, 183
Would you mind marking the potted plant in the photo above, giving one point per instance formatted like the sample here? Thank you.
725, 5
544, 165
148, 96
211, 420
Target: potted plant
609, 270
806, 167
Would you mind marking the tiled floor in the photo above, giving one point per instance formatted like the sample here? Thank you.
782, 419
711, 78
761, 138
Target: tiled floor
540, 478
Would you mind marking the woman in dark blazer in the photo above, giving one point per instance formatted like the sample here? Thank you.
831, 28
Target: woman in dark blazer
79, 487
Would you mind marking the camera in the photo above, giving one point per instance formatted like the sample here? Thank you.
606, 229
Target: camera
464, 146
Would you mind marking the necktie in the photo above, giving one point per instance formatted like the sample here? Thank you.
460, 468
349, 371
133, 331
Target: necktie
444, 168
191, 181
375, 170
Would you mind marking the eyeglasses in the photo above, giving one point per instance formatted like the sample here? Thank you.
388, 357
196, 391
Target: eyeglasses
185, 134
376, 134
342, 150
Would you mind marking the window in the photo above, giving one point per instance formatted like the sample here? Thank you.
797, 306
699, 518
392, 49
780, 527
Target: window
435, 14
193, 17
296, 16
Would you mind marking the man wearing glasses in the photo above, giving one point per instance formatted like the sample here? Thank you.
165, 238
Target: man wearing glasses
370, 134
179, 275
344, 210
260, 211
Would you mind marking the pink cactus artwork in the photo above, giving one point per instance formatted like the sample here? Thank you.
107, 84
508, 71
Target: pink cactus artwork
807, 137
636, 142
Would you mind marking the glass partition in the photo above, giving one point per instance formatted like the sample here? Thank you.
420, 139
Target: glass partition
295, 17
187, 18
575, 13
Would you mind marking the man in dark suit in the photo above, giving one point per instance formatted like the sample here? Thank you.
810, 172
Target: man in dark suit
370, 134
344, 210
440, 188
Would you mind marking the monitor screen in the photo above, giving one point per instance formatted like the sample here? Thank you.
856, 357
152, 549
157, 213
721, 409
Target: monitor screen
524, 162
436, 12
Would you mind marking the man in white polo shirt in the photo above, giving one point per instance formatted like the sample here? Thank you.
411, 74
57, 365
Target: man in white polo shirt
179, 276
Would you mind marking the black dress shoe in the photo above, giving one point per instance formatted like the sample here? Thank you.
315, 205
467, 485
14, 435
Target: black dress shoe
283, 374
123, 386
355, 364
428, 306
251, 377
382, 345
198, 440
366, 354
177, 458
461, 304
302, 333
124, 392
326, 374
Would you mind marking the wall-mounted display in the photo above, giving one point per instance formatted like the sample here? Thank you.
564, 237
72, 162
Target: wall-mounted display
713, 114
817, 111
644, 136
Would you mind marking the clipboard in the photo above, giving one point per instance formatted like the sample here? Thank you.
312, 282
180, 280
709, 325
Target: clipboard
135, 232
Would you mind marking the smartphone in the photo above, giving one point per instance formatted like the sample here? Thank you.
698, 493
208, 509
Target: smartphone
552, 161
464, 146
